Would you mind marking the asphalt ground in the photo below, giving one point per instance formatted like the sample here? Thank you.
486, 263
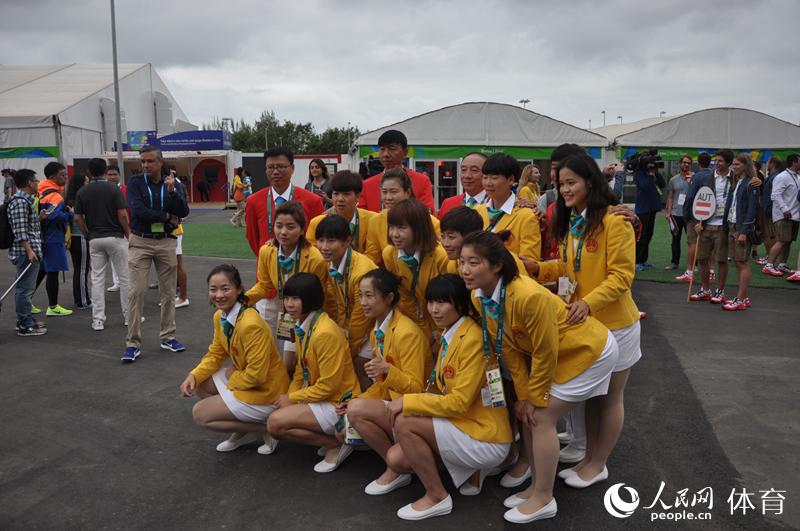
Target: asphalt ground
89, 443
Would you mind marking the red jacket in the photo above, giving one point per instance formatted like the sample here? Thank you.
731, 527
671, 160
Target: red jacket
450, 203
255, 214
371, 192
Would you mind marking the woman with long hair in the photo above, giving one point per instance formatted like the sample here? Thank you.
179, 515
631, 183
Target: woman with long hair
79, 250
318, 181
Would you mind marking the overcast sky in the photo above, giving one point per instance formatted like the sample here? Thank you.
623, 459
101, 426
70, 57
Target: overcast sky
376, 63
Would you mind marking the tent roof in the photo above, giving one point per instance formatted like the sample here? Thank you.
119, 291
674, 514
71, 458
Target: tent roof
723, 127
45, 90
614, 130
486, 124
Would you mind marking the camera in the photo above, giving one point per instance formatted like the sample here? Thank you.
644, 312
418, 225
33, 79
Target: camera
643, 159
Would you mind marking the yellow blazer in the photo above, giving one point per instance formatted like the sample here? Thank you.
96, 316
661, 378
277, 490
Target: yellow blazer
407, 350
267, 274
378, 235
364, 217
260, 376
608, 262
529, 192
452, 266
463, 371
433, 265
526, 237
535, 325
330, 366
359, 325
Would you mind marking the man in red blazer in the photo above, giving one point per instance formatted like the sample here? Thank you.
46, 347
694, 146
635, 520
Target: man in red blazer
259, 211
471, 183
393, 145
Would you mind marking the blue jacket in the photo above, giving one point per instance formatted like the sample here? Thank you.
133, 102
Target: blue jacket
766, 200
54, 226
647, 197
146, 207
703, 177
747, 202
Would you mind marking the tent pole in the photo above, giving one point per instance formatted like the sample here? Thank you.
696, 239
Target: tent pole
116, 94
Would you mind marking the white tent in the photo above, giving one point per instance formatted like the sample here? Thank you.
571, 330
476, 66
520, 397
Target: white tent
57, 112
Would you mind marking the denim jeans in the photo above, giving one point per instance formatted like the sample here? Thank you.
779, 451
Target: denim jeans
24, 290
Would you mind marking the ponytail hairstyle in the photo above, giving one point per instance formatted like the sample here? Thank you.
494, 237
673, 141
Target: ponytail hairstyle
599, 196
294, 209
233, 275
412, 213
491, 247
386, 282
451, 288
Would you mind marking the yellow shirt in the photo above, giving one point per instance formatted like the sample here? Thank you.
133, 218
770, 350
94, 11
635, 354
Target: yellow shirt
406, 350
608, 262
259, 376
378, 235
351, 316
459, 378
535, 325
526, 238
329, 365
433, 265
267, 274
359, 244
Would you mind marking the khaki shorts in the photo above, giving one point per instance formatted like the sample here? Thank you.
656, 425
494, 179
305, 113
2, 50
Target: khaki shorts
739, 251
691, 235
768, 227
786, 230
713, 238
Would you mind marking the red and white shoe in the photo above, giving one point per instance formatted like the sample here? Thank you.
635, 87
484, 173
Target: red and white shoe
700, 295
747, 302
772, 271
718, 297
761, 261
685, 277
735, 305
795, 277
642, 315
712, 277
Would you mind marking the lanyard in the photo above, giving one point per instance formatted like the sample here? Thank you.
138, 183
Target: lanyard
498, 342
576, 262
150, 193
305, 342
354, 244
414, 282
280, 271
343, 290
270, 202
437, 369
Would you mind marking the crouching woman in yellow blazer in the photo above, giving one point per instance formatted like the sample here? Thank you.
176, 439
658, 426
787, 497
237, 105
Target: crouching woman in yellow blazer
238, 398
450, 420
324, 375
570, 363
399, 355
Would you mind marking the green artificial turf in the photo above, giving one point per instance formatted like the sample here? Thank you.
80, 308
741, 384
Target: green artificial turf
222, 240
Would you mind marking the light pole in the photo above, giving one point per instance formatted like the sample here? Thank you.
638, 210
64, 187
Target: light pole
348, 137
620, 119
116, 94
661, 114
590, 123
524, 102
604, 117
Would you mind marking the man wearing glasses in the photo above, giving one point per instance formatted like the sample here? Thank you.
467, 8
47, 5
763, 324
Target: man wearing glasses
676, 198
259, 213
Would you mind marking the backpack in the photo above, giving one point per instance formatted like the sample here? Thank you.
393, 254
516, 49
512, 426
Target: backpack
6, 232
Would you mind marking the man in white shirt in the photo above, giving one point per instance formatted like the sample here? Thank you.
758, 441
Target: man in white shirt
785, 214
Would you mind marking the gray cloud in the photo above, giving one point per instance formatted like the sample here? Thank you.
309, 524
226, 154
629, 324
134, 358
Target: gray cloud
374, 63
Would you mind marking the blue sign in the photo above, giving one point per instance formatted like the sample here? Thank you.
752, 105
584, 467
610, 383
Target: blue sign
196, 141
137, 139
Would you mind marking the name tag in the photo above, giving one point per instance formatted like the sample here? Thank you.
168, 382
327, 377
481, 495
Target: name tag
566, 288
285, 328
493, 394
351, 436
681, 199
157, 227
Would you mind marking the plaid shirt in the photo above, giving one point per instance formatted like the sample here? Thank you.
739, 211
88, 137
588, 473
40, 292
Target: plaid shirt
24, 224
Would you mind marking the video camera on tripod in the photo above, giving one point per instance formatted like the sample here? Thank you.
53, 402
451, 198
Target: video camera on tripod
643, 159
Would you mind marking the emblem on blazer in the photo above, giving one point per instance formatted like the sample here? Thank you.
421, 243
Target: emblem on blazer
591, 245
518, 332
449, 371
389, 360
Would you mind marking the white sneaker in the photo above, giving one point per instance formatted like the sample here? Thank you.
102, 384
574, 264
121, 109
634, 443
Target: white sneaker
181, 303
568, 455
113, 287
97, 325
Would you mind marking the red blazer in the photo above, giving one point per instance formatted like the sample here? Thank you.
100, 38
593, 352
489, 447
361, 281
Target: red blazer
371, 192
255, 214
450, 203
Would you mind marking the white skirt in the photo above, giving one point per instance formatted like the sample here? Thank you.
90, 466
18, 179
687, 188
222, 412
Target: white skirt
179, 246
326, 416
245, 412
630, 348
594, 380
463, 455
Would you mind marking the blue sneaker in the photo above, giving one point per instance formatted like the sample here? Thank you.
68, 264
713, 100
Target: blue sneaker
647, 265
130, 354
173, 345
640, 267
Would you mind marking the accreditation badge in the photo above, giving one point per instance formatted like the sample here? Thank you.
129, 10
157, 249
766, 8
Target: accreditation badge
493, 394
285, 328
566, 288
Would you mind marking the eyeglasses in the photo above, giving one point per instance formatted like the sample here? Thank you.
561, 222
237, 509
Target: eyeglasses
278, 167
684, 162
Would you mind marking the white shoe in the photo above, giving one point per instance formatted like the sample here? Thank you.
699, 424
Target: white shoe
323, 467
515, 516
376, 489
468, 489
443, 507
229, 446
508, 481
514, 500
113, 287
569, 455
269, 446
564, 437
97, 325
576, 482
181, 304
567, 472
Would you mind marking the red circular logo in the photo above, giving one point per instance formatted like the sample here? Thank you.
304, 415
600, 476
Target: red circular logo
449, 371
591, 245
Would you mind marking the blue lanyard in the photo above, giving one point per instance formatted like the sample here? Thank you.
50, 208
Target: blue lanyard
150, 193
576, 262
345, 282
305, 342
498, 343
297, 252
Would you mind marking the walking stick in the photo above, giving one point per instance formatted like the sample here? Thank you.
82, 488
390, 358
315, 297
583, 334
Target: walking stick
15, 282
